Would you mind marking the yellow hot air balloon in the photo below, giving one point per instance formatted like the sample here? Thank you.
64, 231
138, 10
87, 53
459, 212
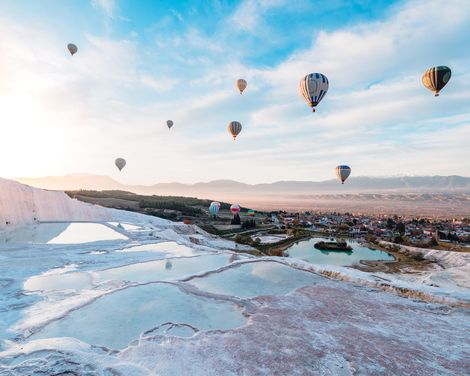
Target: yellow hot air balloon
234, 128
436, 78
72, 48
241, 85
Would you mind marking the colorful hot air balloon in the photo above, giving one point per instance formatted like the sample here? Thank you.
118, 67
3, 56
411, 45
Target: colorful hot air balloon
241, 85
342, 172
251, 213
120, 163
234, 128
235, 208
436, 78
214, 208
169, 123
72, 48
313, 87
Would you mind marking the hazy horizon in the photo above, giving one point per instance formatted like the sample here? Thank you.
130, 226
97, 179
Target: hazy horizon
118, 180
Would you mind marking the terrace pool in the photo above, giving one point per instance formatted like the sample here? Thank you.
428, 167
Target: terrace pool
306, 251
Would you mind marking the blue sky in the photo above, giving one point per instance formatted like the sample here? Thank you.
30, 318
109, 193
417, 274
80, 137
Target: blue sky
143, 62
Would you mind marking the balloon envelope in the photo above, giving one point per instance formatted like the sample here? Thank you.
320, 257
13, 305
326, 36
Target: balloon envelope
235, 208
343, 172
169, 123
313, 87
241, 85
120, 163
436, 78
234, 128
72, 48
251, 213
214, 208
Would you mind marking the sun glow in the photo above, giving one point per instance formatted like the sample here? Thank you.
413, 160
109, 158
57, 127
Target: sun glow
31, 139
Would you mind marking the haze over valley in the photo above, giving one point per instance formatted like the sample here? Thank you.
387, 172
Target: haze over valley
426, 195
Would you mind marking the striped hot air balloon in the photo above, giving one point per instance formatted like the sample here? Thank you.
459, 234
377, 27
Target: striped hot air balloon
235, 208
251, 213
241, 85
214, 208
313, 87
342, 172
234, 128
436, 78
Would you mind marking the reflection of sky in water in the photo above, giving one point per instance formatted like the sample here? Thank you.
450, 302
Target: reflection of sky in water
305, 250
172, 248
125, 226
61, 233
116, 319
158, 270
85, 233
255, 279
164, 270
60, 281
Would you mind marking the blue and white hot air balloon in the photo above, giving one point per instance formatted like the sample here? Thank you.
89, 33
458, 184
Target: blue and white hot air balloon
214, 208
313, 87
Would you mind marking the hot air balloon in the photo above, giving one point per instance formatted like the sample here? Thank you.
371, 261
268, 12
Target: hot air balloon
234, 128
436, 78
251, 213
342, 172
120, 163
235, 208
313, 87
169, 123
241, 85
72, 48
214, 208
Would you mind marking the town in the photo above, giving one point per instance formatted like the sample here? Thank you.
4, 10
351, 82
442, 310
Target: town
277, 226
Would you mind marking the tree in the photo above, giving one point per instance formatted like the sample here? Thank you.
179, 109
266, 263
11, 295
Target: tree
236, 219
400, 228
249, 223
390, 223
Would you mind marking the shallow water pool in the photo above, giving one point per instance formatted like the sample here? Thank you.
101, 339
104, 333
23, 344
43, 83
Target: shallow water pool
256, 279
164, 270
306, 251
78, 232
61, 233
115, 320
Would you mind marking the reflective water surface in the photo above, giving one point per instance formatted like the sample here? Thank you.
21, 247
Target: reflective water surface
115, 320
255, 279
306, 251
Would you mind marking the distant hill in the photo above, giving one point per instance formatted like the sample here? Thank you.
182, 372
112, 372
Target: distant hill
416, 184
420, 195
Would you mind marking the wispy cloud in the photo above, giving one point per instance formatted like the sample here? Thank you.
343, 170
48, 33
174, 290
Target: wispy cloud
114, 97
106, 6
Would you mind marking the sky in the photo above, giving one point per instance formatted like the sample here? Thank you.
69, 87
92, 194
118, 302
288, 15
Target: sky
141, 63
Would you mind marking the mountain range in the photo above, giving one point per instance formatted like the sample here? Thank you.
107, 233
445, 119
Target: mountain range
443, 196
214, 189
